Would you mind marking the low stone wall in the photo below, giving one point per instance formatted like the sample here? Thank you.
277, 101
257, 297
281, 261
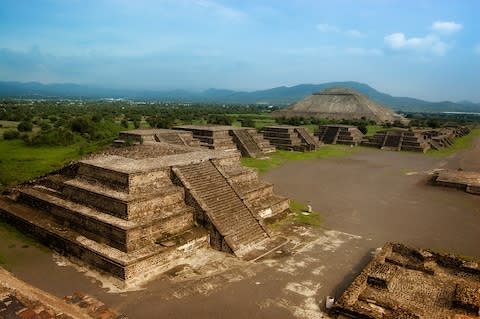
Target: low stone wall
402, 282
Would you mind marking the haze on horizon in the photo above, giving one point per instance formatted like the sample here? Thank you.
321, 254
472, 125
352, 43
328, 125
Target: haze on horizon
427, 49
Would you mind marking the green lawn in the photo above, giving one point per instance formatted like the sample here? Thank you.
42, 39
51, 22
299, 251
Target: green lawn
279, 157
299, 216
20, 162
372, 129
459, 144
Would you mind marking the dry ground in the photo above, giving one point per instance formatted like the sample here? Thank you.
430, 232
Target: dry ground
366, 199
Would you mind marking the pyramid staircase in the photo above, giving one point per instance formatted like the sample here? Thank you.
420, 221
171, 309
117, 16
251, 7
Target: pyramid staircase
329, 135
311, 143
238, 229
292, 138
250, 143
171, 139
397, 140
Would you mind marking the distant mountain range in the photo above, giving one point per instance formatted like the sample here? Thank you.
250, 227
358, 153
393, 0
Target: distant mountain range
279, 95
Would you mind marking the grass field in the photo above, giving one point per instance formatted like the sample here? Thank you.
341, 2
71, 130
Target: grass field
459, 144
300, 216
279, 157
372, 129
20, 162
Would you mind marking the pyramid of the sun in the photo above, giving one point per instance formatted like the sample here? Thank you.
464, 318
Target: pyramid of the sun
340, 104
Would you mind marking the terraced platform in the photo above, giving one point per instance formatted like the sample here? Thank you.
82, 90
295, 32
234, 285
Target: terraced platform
339, 134
219, 137
292, 138
133, 216
398, 140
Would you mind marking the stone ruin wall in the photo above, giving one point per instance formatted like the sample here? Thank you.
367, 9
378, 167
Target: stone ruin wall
118, 209
401, 282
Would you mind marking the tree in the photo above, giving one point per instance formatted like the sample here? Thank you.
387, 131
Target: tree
25, 126
11, 134
247, 122
363, 128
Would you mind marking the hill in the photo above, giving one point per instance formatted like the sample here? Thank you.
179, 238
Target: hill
280, 95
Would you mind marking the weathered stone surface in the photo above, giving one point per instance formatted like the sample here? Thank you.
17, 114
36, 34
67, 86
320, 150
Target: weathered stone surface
230, 138
463, 180
398, 140
402, 282
339, 134
132, 213
292, 138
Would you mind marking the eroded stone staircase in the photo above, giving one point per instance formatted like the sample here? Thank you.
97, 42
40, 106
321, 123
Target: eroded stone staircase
236, 224
171, 139
250, 143
247, 144
311, 143
330, 135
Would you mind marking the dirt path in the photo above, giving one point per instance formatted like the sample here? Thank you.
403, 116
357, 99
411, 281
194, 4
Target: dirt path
366, 199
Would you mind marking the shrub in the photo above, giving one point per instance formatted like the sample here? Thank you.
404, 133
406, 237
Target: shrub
45, 126
247, 122
25, 126
124, 123
219, 119
11, 134
363, 128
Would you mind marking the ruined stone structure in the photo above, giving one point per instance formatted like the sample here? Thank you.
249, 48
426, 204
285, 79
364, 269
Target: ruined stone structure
157, 135
340, 104
443, 137
464, 180
247, 140
398, 140
339, 134
292, 138
136, 211
401, 282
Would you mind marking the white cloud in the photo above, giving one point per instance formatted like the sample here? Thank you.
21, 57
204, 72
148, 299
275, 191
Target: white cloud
446, 27
363, 52
429, 43
328, 28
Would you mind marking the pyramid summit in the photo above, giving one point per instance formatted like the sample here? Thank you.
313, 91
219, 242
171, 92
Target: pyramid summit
340, 103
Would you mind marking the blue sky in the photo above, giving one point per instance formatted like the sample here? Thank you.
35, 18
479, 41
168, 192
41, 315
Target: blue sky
427, 49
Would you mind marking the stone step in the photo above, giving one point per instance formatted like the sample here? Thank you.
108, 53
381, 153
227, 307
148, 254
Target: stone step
116, 232
121, 181
119, 204
253, 190
139, 265
230, 215
270, 206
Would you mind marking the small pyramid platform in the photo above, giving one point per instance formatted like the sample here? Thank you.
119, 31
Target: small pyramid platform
398, 140
230, 138
291, 138
136, 211
443, 137
339, 134
139, 136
